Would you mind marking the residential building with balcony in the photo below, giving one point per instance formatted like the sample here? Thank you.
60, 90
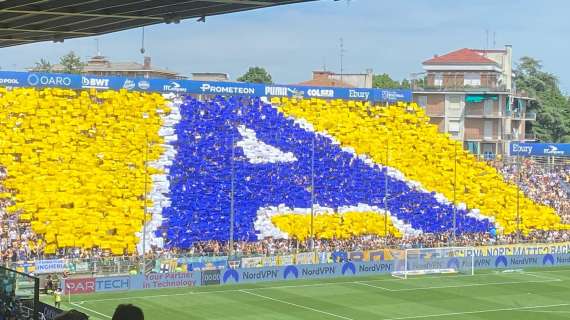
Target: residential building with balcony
470, 94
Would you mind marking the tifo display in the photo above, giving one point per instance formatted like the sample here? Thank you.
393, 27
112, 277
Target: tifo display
83, 167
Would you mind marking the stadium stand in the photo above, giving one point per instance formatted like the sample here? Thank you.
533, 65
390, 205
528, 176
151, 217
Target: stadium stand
77, 163
78, 166
424, 155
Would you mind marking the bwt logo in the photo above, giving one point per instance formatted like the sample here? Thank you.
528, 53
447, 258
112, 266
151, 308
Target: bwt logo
9, 81
501, 260
231, 274
95, 83
291, 270
34, 80
174, 87
553, 150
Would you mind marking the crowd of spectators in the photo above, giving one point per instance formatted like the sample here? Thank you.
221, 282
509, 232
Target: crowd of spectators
546, 184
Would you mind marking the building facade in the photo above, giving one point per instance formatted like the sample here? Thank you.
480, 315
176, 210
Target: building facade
345, 80
102, 66
470, 94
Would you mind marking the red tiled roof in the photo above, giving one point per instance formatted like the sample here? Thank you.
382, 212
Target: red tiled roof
461, 56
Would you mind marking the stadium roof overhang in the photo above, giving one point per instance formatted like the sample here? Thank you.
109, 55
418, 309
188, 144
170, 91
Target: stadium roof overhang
29, 21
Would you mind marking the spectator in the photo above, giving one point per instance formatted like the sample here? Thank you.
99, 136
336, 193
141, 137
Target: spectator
71, 315
128, 312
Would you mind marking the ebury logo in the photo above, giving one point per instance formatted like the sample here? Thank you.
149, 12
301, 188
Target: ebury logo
548, 258
230, 274
517, 148
453, 263
501, 260
291, 270
348, 266
94, 83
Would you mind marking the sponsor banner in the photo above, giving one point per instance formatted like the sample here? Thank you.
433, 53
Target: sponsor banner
285, 260
50, 266
252, 262
305, 258
79, 285
539, 149
210, 277
48, 311
520, 261
112, 284
74, 81
167, 280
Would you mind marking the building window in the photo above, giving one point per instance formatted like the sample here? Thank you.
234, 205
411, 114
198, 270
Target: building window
453, 127
438, 80
472, 79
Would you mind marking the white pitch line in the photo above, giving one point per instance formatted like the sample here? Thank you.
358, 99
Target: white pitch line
479, 311
295, 305
475, 285
373, 286
91, 310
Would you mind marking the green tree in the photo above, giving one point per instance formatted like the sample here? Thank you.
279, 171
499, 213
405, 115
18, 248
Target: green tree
256, 75
71, 63
551, 106
385, 81
42, 66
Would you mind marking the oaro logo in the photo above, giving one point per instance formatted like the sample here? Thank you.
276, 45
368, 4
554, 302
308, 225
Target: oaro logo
174, 87
48, 80
95, 83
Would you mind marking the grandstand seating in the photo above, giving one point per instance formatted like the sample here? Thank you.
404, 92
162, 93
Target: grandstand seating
272, 166
76, 160
422, 154
79, 164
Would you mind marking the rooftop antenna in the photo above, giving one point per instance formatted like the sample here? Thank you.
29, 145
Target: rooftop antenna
324, 64
98, 47
494, 39
487, 41
342, 52
142, 42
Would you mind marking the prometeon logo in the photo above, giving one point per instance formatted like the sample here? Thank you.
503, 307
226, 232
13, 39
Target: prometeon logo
208, 88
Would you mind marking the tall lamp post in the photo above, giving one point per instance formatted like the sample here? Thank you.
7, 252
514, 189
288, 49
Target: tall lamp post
455, 193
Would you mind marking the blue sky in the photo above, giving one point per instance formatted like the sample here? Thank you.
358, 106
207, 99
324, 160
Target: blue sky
291, 41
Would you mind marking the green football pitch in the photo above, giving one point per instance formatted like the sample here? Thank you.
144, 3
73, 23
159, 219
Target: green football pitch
528, 294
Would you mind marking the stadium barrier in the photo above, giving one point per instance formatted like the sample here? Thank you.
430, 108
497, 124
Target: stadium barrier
230, 276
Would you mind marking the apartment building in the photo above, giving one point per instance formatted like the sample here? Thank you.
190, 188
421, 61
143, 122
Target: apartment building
470, 94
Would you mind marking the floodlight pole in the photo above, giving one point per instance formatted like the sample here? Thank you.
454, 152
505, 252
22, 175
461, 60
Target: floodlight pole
455, 194
312, 244
232, 200
145, 201
518, 197
386, 189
